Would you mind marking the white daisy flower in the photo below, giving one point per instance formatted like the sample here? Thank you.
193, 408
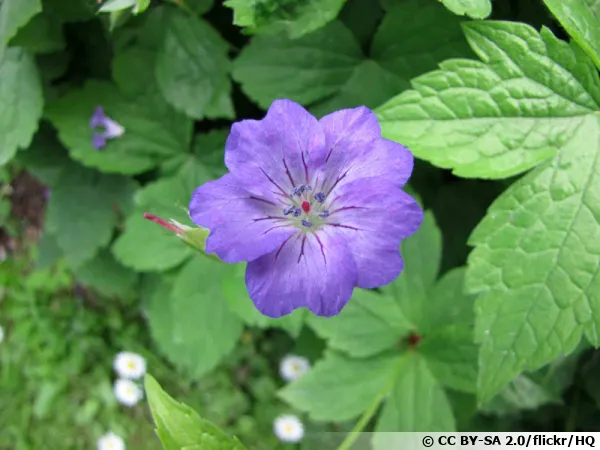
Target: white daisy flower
129, 365
293, 367
127, 392
288, 428
111, 441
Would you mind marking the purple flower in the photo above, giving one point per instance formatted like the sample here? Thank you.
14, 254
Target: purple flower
110, 128
314, 206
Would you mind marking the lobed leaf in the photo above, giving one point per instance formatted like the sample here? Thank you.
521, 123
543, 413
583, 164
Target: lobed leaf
500, 117
581, 19
193, 325
535, 264
21, 99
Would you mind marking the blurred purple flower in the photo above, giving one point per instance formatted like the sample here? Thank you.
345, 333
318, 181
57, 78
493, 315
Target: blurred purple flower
111, 129
315, 207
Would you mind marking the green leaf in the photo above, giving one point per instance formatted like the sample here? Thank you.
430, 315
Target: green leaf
71, 11
521, 394
45, 158
82, 210
362, 17
116, 5
414, 306
145, 246
500, 117
207, 158
21, 98
581, 19
236, 294
447, 329
192, 68
48, 252
180, 427
42, 34
294, 17
399, 51
535, 264
338, 388
193, 327
368, 325
417, 402
372, 323
477, 9
200, 6
274, 66
152, 132
13, 15
141, 6
106, 275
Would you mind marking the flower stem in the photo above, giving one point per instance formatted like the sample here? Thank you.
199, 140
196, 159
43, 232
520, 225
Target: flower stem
163, 223
370, 412
362, 423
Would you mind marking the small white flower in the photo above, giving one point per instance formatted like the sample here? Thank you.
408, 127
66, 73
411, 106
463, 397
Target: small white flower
288, 428
127, 392
130, 365
111, 441
293, 367
1, 334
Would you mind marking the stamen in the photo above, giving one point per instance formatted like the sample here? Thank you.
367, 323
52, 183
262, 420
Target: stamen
305, 207
289, 210
324, 214
301, 189
297, 212
320, 197
306, 223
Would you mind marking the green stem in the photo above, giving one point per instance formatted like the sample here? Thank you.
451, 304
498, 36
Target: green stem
370, 412
364, 420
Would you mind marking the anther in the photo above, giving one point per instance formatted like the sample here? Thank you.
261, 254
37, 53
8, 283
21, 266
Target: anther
297, 212
289, 210
306, 223
320, 197
324, 214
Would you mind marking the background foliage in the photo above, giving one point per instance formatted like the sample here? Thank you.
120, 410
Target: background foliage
491, 327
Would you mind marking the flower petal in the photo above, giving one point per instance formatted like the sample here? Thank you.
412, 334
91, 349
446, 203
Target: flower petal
97, 118
357, 150
281, 151
375, 215
313, 270
242, 226
113, 129
98, 141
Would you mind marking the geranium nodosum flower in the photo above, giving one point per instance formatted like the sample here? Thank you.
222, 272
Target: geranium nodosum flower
127, 392
288, 428
111, 441
293, 367
315, 207
129, 365
110, 128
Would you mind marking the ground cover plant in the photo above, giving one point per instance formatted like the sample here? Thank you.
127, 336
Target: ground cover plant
142, 306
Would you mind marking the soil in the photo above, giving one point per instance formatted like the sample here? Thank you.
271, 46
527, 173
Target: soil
28, 205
